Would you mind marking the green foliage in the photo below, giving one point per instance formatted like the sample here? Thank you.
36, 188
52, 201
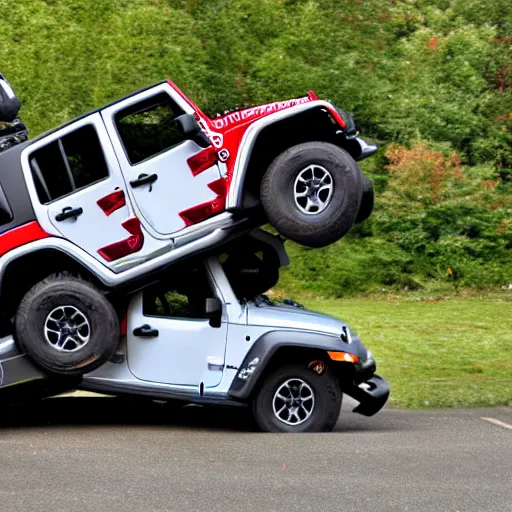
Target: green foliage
347, 267
430, 81
435, 352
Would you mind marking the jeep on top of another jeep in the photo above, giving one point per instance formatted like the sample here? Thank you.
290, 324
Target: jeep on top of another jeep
204, 333
119, 194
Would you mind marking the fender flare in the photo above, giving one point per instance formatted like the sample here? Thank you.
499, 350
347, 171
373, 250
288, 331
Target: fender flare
234, 197
58, 244
264, 348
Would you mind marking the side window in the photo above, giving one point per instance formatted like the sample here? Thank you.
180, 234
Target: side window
149, 128
68, 164
180, 295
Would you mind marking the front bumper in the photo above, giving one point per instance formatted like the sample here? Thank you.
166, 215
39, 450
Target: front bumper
371, 394
359, 381
359, 148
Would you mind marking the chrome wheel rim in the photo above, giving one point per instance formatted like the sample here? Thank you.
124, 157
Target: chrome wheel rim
67, 329
313, 189
293, 402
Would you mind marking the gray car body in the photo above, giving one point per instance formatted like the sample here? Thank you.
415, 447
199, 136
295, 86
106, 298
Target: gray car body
255, 331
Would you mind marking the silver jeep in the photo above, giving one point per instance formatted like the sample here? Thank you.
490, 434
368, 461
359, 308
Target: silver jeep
204, 333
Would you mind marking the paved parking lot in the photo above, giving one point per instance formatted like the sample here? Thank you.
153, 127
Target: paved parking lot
95, 454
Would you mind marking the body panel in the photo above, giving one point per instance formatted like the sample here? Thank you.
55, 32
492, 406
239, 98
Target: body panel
290, 317
15, 367
176, 188
78, 230
186, 351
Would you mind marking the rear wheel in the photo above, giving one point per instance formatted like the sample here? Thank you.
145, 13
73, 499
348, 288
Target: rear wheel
295, 398
66, 325
311, 193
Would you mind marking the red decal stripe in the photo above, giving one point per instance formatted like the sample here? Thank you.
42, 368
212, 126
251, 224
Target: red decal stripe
220, 187
127, 246
203, 211
109, 204
123, 326
20, 236
202, 160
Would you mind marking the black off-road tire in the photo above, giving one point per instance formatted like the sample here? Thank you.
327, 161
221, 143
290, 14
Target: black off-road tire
327, 395
278, 199
66, 290
367, 201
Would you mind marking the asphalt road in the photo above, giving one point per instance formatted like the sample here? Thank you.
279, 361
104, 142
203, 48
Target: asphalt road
103, 454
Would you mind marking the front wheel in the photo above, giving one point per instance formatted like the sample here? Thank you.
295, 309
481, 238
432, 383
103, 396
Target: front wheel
294, 398
311, 193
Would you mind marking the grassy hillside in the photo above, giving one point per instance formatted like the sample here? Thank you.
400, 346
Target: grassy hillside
430, 81
435, 353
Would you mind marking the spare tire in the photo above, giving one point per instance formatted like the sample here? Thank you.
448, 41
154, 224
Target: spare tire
66, 325
311, 193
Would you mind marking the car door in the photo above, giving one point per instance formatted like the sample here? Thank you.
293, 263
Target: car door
170, 339
153, 154
77, 187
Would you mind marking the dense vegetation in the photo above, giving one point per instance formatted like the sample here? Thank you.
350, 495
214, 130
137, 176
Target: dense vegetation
435, 353
431, 81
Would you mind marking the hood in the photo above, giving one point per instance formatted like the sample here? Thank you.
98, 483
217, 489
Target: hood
290, 317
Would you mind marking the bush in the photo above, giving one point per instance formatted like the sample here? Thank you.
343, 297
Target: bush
430, 81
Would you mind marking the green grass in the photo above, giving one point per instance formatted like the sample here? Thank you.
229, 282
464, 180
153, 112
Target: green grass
435, 352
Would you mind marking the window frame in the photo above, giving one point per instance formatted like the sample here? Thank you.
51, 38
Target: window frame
37, 175
133, 109
167, 283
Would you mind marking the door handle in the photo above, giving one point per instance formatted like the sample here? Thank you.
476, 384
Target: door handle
144, 179
145, 331
68, 212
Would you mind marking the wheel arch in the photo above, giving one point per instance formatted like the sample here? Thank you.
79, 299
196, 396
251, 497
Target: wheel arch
272, 135
278, 347
19, 274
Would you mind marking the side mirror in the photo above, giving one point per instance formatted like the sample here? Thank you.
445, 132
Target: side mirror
213, 311
192, 130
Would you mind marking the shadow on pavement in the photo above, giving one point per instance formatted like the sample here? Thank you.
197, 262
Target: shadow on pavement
105, 411
82, 411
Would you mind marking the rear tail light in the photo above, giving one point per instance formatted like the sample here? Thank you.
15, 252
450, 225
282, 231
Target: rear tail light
127, 246
123, 326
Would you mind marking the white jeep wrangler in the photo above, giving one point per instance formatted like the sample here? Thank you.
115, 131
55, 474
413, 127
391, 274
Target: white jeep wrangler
100, 207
